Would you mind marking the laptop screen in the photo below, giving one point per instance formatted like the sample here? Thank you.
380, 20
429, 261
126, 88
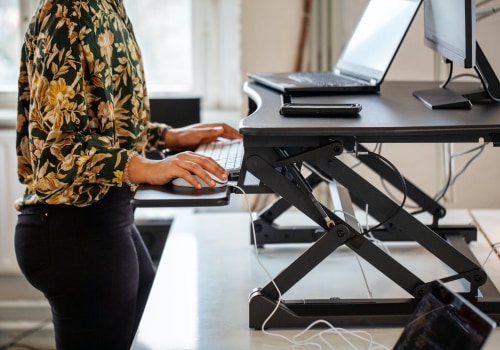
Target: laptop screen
377, 37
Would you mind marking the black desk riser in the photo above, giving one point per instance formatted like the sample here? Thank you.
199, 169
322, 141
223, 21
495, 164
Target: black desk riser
276, 148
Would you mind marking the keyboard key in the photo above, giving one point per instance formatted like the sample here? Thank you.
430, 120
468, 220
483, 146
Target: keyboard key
228, 153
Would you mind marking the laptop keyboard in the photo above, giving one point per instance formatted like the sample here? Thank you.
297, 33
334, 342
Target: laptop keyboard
228, 153
326, 79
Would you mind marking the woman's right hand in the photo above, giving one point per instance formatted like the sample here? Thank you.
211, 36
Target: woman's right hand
183, 165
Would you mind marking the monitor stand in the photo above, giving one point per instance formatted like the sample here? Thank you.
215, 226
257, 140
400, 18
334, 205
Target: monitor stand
442, 98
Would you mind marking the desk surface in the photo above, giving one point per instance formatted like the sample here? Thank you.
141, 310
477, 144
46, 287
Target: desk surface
394, 115
200, 296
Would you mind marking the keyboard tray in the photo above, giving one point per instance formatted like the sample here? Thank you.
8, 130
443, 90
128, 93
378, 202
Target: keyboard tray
174, 196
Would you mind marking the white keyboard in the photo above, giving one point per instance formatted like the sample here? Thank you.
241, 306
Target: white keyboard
228, 153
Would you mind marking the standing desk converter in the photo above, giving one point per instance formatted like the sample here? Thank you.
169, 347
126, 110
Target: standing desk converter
277, 147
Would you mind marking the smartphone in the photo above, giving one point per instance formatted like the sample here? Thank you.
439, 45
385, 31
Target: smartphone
317, 110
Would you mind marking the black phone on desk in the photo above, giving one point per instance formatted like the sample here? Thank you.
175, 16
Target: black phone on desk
290, 109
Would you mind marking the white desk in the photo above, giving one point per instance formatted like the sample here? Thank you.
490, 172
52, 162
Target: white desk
200, 296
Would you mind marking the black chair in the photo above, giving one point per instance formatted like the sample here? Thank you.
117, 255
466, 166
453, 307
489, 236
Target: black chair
176, 112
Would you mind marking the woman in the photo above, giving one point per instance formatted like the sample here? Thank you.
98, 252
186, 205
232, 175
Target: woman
81, 131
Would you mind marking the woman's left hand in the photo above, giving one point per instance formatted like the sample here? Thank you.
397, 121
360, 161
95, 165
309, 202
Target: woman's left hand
191, 136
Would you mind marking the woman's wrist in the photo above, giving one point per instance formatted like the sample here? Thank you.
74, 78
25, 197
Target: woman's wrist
165, 137
170, 139
126, 172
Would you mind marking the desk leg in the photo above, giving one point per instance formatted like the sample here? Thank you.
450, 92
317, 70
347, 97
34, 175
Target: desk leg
301, 313
373, 312
358, 243
266, 232
403, 221
365, 312
418, 196
427, 203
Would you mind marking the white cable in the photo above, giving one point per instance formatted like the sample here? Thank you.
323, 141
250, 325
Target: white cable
373, 240
453, 178
369, 292
268, 275
371, 237
370, 234
362, 335
493, 246
492, 250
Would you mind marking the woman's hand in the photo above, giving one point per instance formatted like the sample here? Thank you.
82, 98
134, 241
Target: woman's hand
189, 137
184, 165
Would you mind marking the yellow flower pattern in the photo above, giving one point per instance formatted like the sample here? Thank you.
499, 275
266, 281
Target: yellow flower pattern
83, 105
60, 94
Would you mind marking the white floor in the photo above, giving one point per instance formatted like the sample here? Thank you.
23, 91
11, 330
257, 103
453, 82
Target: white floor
200, 297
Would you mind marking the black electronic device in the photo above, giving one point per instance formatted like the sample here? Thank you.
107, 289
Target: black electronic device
450, 30
320, 110
445, 320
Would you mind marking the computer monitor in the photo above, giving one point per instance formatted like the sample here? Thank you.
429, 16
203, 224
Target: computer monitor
450, 30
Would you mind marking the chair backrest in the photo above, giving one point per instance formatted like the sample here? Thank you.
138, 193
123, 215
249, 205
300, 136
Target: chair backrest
176, 112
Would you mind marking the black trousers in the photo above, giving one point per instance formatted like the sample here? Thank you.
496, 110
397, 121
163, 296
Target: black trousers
92, 266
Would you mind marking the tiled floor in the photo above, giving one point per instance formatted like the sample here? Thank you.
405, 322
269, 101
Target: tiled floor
24, 316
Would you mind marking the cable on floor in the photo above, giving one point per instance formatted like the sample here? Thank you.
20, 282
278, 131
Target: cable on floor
310, 340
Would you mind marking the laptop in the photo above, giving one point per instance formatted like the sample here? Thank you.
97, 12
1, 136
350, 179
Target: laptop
445, 320
365, 59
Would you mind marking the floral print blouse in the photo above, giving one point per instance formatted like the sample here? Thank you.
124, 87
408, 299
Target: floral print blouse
83, 106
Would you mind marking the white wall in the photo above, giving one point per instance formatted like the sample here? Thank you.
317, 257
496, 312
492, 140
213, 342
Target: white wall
270, 31
10, 189
270, 34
